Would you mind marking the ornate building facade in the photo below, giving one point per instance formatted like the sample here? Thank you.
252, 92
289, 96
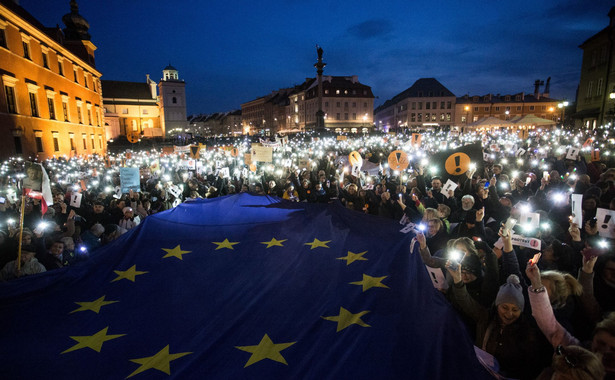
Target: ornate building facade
51, 103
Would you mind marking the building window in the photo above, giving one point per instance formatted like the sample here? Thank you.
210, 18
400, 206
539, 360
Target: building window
326, 104
413, 117
544, 108
33, 104
486, 108
56, 142
345, 104
52, 110
590, 89
85, 80
174, 100
65, 109
39, 143
518, 108
96, 116
463, 119
100, 141
420, 105
337, 116
89, 112
26, 49
10, 99
85, 141
475, 109
79, 115
599, 87
427, 116
531, 108
413, 105
475, 118
428, 105
145, 112
345, 116
448, 116
419, 117
75, 75
448, 105
441, 117
497, 109
71, 139
354, 116
92, 137
507, 108
45, 61
125, 111
61, 67
3, 38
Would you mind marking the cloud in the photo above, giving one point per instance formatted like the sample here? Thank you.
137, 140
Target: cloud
371, 29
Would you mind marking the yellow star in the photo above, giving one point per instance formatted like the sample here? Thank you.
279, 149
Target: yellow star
94, 305
128, 274
346, 318
161, 361
175, 252
274, 242
317, 243
266, 349
94, 342
352, 257
369, 282
224, 244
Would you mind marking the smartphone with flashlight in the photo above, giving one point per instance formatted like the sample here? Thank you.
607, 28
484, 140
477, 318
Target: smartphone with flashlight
2, 200
487, 185
455, 258
545, 175
508, 226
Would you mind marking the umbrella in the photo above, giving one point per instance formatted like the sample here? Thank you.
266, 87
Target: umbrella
532, 120
489, 122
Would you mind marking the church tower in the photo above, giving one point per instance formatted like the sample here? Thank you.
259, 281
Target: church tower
172, 93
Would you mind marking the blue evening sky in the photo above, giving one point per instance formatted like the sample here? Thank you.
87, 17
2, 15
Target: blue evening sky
230, 52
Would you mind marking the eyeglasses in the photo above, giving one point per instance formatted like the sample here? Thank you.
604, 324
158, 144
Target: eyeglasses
559, 350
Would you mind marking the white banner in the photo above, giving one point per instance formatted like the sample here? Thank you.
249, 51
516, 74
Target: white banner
605, 222
577, 209
523, 241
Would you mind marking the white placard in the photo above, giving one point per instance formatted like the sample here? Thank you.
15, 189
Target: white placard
499, 244
577, 209
356, 170
605, 222
262, 154
520, 152
75, 200
437, 278
573, 153
530, 219
449, 185
527, 242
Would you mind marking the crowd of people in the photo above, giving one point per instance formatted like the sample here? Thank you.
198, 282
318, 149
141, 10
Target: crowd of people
543, 317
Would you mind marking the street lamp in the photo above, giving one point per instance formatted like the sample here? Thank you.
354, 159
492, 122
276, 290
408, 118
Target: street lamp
565, 103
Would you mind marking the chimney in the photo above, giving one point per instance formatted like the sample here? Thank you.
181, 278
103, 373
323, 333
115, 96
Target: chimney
545, 93
537, 84
355, 79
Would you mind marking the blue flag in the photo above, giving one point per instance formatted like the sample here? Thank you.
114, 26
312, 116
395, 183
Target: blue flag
239, 287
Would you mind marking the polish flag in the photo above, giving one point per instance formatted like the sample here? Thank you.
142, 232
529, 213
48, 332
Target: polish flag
45, 195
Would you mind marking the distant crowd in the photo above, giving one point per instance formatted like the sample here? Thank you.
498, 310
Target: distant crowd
541, 317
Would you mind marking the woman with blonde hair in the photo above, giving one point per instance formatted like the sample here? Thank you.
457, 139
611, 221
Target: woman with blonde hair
574, 363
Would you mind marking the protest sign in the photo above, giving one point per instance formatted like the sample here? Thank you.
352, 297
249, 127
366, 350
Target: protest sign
527, 242
130, 180
262, 154
605, 222
576, 206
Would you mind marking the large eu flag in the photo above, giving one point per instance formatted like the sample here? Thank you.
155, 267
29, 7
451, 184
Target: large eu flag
239, 287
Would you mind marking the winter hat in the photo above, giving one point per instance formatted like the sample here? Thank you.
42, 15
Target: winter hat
127, 209
472, 264
511, 292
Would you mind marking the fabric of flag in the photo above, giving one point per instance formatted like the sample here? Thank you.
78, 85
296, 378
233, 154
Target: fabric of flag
455, 162
45, 195
239, 287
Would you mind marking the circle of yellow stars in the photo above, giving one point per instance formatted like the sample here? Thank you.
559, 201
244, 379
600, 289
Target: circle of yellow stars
265, 349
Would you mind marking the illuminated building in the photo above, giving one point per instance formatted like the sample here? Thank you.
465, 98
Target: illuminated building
595, 106
131, 108
348, 105
172, 92
426, 104
470, 109
219, 123
51, 98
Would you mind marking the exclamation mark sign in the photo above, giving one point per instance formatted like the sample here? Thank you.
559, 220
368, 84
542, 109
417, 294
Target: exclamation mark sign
457, 163
398, 156
605, 224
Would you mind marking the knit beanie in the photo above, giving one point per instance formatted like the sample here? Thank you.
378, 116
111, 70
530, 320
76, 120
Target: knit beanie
511, 292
